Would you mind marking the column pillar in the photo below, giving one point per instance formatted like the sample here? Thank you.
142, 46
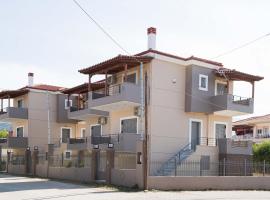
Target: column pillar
8, 159
35, 162
125, 72
110, 164
253, 89
89, 83
94, 163
27, 157
0, 158
106, 83
8, 101
2, 105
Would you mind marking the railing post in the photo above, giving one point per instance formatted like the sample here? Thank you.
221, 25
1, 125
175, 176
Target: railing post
224, 166
264, 168
175, 166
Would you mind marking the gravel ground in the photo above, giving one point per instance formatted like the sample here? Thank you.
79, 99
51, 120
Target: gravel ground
15, 187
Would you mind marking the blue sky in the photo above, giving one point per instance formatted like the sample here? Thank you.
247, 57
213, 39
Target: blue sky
54, 39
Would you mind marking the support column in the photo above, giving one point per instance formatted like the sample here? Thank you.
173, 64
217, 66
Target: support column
8, 159
68, 103
27, 163
89, 83
78, 101
106, 83
110, 164
2, 105
8, 101
0, 158
35, 162
125, 72
94, 163
253, 89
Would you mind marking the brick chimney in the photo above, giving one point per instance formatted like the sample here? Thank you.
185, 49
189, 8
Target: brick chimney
30, 79
151, 32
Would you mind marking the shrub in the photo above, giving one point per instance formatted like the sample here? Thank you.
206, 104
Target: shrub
261, 152
3, 133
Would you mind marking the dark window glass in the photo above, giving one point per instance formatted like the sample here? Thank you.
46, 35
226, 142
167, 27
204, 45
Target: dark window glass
65, 135
20, 132
96, 130
129, 125
131, 78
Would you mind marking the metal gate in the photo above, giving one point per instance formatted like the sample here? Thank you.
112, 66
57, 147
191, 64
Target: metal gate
101, 165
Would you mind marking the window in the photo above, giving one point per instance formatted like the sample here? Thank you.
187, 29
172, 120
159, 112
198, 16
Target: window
19, 131
83, 133
65, 134
266, 131
221, 88
96, 130
67, 155
20, 103
66, 104
259, 131
129, 125
131, 78
203, 82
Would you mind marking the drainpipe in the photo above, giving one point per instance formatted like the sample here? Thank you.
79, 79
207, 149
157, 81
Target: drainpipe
48, 118
142, 102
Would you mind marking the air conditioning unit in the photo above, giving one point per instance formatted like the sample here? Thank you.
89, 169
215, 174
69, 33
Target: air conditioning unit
102, 120
112, 79
137, 111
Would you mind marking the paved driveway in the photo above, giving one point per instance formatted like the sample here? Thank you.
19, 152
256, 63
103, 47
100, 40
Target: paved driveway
15, 188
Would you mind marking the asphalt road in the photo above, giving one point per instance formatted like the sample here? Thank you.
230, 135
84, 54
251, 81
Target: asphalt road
22, 188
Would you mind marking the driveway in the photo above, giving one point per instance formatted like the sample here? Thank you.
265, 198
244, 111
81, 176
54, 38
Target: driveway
16, 187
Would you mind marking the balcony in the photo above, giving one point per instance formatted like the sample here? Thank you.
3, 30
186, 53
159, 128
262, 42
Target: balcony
231, 105
239, 147
83, 114
14, 113
78, 143
14, 142
118, 96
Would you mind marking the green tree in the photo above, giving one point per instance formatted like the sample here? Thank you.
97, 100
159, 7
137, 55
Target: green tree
3, 133
261, 152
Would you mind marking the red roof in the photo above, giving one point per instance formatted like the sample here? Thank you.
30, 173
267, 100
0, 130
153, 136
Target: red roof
51, 88
180, 58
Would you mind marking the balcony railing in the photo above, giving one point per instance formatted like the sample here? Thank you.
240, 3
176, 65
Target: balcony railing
241, 100
111, 91
14, 112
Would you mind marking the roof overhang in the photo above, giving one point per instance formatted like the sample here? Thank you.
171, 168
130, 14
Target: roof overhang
116, 64
83, 88
5, 94
236, 75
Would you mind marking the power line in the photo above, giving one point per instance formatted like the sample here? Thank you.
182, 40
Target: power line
100, 27
241, 46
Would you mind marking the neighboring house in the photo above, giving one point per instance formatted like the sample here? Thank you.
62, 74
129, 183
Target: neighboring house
36, 117
189, 104
255, 128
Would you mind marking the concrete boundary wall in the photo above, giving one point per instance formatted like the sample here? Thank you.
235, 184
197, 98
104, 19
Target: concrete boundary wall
16, 169
124, 177
209, 182
74, 174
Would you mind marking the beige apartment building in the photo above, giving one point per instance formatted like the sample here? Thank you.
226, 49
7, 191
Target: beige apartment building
162, 108
253, 128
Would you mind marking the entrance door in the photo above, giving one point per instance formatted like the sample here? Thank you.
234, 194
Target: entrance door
195, 134
220, 130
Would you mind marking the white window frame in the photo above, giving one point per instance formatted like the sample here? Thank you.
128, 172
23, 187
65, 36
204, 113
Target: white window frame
221, 82
19, 127
219, 122
66, 105
131, 72
65, 156
130, 117
61, 137
82, 132
190, 128
206, 82
95, 125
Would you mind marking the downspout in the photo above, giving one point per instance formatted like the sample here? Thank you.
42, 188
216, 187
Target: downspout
141, 102
48, 118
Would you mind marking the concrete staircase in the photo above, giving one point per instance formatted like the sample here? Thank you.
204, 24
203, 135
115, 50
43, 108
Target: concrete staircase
170, 166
